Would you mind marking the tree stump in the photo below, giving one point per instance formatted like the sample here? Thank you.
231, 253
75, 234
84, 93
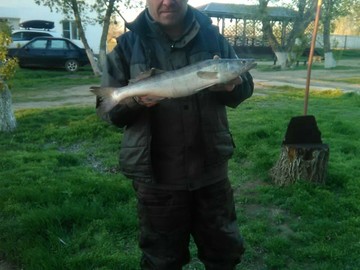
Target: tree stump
303, 155
301, 162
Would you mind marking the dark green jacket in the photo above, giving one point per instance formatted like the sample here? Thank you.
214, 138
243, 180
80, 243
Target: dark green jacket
179, 143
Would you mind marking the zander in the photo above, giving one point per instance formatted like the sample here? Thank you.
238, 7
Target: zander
176, 83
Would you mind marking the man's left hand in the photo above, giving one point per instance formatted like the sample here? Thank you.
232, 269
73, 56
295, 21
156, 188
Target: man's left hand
228, 87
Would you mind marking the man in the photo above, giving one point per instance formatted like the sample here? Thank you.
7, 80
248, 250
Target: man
176, 150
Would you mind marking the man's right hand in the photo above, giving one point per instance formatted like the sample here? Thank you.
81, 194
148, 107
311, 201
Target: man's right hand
147, 101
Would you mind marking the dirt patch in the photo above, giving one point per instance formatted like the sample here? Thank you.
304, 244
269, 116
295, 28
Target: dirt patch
6, 266
74, 96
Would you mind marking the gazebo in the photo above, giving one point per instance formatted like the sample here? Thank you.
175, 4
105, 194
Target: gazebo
242, 26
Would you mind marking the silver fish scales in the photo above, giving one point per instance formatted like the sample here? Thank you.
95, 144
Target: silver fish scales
176, 83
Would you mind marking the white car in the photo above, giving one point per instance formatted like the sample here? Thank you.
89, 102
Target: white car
22, 36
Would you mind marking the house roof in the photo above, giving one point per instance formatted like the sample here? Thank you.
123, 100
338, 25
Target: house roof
239, 11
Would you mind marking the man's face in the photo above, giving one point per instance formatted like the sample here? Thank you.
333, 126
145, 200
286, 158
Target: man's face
167, 12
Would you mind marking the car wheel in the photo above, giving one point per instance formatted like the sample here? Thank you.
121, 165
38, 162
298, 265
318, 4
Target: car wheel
71, 65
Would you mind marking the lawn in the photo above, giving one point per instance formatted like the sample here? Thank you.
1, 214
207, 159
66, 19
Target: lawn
63, 204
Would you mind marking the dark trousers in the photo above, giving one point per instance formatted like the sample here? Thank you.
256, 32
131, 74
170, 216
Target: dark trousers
169, 217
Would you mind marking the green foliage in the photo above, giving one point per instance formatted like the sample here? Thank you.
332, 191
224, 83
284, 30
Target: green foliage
66, 7
7, 66
298, 48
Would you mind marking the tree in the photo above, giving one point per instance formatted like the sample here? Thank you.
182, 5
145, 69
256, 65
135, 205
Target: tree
105, 20
7, 70
77, 9
333, 9
350, 24
106, 10
282, 41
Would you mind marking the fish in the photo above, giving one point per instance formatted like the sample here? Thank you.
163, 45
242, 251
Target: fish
177, 83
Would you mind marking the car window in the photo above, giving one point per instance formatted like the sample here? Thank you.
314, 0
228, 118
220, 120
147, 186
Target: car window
17, 36
37, 44
58, 44
31, 35
28, 35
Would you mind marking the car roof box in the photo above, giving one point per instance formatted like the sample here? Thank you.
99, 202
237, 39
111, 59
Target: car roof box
37, 24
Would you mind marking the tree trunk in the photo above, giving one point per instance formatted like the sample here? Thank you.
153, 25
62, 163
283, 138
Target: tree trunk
103, 40
330, 61
303, 155
88, 50
282, 58
301, 162
7, 117
326, 18
305, 16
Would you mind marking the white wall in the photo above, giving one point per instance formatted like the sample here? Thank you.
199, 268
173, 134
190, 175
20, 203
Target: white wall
345, 42
25, 10
340, 42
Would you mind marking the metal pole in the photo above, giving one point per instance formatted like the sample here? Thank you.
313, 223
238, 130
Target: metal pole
311, 54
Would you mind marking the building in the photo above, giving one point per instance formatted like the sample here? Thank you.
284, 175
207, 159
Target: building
241, 25
16, 12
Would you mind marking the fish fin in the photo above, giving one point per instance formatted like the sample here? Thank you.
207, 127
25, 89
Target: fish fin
103, 92
146, 74
105, 95
207, 75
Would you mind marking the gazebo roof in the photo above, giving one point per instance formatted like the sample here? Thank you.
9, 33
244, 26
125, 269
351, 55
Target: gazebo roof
239, 11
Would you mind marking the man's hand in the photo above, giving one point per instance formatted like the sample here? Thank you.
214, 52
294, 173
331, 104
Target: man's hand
147, 101
229, 86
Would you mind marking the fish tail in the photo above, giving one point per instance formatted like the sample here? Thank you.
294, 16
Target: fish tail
107, 102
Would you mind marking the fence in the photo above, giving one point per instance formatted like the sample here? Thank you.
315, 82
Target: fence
343, 42
249, 33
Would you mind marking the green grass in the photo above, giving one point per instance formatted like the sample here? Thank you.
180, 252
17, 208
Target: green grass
304, 226
346, 54
352, 80
38, 80
61, 205
64, 206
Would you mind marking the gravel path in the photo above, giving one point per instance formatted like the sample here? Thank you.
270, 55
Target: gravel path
320, 79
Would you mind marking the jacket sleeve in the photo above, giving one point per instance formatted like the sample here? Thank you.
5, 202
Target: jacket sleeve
241, 92
116, 74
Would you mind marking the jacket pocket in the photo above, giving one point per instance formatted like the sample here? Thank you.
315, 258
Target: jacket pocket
219, 147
